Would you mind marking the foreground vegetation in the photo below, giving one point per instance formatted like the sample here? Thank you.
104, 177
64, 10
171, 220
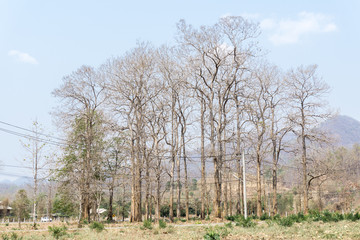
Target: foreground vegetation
325, 225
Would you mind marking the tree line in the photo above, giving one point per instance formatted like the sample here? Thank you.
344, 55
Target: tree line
137, 121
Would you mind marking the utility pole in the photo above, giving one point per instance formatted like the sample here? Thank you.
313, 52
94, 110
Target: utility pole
244, 184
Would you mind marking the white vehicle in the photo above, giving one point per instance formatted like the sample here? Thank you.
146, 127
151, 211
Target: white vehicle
46, 219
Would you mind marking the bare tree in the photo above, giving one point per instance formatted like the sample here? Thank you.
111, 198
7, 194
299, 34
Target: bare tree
132, 83
307, 92
279, 126
115, 165
211, 52
82, 94
35, 147
258, 109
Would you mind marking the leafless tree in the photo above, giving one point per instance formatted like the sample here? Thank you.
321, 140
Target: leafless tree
307, 92
35, 147
211, 53
82, 94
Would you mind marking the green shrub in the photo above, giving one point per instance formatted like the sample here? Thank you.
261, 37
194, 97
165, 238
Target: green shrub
12, 236
350, 216
85, 222
97, 226
147, 224
211, 234
276, 217
339, 217
286, 221
300, 217
264, 217
247, 223
231, 218
162, 224
57, 232
327, 216
4, 236
314, 215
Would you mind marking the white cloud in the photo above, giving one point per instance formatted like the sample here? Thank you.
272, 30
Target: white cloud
22, 57
290, 31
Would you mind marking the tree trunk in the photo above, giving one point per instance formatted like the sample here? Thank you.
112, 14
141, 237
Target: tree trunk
274, 185
173, 154
303, 141
178, 183
147, 194
230, 194
158, 197
203, 173
258, 186
185, 173
111, 195
239, 190
319, 198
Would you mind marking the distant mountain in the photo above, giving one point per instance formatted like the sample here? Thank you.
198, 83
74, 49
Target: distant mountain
346, 130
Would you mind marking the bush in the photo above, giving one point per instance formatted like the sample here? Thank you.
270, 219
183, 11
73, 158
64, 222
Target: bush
264, 217
247, 223
57, 232
315, 215
276, 217
147, 224
286, 221
12, 236
234, 218
162, 224
211, 234
327, 216
216, 233
231, 218
350, 216
339, 217
97, 226
300, 217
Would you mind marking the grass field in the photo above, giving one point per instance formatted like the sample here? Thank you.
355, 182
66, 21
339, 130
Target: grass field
194, 230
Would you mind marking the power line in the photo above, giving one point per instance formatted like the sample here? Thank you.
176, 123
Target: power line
32, 137
25, 129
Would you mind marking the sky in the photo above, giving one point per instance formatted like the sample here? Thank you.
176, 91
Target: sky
43, 41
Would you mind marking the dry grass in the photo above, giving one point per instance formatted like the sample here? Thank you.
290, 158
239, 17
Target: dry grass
194, 230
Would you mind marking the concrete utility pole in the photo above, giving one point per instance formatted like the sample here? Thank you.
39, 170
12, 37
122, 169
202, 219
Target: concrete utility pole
244, 184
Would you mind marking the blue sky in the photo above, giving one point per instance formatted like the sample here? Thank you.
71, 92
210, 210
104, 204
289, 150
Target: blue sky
42, 41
